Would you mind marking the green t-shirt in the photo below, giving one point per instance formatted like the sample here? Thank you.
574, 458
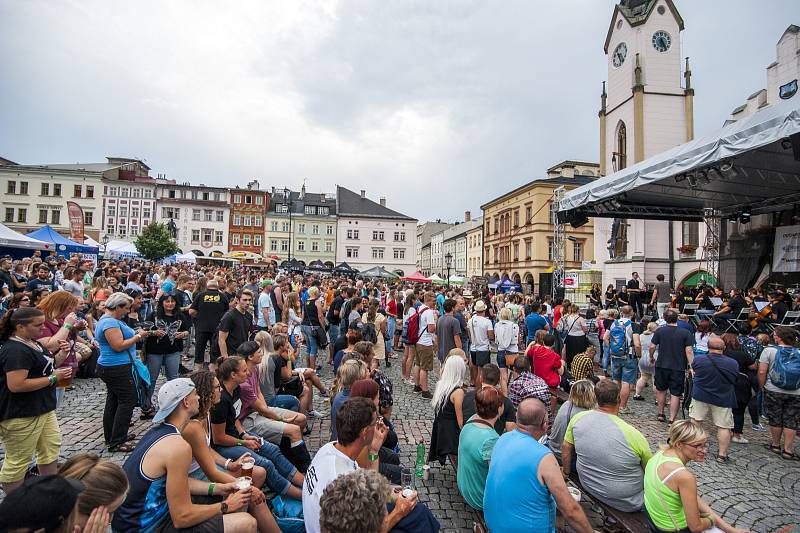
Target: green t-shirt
475, 445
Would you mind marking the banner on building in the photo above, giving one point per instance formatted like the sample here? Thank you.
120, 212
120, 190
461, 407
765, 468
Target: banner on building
75, 222
786, 255
571, 280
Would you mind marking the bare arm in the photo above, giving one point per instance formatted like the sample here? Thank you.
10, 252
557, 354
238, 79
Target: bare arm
117, 342
763, 368
193, 434
567, 450
181, 509
223, 347
320, 313
457, 397
550, 475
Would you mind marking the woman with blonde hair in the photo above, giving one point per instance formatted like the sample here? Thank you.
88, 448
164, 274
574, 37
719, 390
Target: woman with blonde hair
448, 415
105, 487
506, 334
378, 321
581, 398
646, 362
349, 372
313, 326
670, 489
292, 315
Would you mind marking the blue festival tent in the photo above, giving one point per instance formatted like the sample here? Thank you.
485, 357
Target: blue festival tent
508, 285
63, 246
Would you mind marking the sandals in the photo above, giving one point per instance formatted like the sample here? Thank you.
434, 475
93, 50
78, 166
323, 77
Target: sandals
788, 456
723, 459
774, 449
661, 418
121, 448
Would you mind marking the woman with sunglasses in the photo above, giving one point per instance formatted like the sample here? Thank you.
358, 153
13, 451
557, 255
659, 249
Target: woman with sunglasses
117, 342
670, 489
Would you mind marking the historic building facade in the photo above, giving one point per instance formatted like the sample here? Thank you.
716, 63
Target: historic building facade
200, 215
310, 231
246, 221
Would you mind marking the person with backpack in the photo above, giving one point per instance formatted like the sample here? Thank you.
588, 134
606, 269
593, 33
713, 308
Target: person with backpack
625, 349
779, 377
422, 335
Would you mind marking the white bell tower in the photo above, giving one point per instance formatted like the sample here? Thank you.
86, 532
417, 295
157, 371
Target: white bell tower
645, 108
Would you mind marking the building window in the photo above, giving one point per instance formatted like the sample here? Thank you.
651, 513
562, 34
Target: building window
528, 249
235, 239
134, 231
315, 229
328, 246
137, 193
315, 246
23, 187
690, 233
11, 188
301, 228
516, 251
377, 235
217, 197
45, 189
516, 218
55, 217
551, 250
282, 208
352, 234
208, 215
274, 225
577, 250
147, 193
195, 235
146, 212
237, 220
195, 195
208, 234
88, 218
248, 220
619, 159
257, 222
329, 230
220, 216
377, 253
42, 216
257, 238
400, 236
237, 199
399, 253
123, 231
322, 211
111, 210
528, 214
352, 253
284, 245
135, 212
57, 189
246, 239
196, 214
218, 237
89, 191
22, 215
309, 210
285, 227
301, 246
259, 201
9, 214
273, 245
123, 210
171, 212
124, 193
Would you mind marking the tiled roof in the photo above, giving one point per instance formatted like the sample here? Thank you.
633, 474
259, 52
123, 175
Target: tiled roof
352, 204
299, 204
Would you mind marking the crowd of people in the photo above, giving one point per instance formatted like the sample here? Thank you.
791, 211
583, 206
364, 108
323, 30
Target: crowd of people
225, 363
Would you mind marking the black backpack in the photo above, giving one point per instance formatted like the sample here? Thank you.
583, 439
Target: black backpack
369, 333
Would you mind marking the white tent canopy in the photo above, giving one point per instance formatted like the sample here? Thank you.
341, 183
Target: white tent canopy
88, 241
188, 257
11, 239
751, 164
122, 249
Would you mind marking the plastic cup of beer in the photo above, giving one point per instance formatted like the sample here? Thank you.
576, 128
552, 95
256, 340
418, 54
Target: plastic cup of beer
247, 467
66, 382
243, 483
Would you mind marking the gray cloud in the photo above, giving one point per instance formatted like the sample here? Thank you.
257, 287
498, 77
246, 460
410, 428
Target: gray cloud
405, 99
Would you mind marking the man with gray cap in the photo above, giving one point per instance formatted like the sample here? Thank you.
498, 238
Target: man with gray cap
161, 493
207, 310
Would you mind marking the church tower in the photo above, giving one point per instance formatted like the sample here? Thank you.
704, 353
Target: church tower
646, 107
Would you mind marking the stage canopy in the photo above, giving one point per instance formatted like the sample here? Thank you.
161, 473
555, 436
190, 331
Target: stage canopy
378, 272
750, 166
61, 244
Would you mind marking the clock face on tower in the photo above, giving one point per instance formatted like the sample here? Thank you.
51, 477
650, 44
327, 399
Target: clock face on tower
661, 41
618, 57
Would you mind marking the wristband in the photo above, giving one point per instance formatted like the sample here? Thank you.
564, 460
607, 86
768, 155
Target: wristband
211, 488
227, 462
242, 434
239, 442
372, 456
53, 379
67, 327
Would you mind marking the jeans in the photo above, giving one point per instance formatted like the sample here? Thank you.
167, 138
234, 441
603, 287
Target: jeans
120, 401
333, 332
170, 362
285, 401
269, 456
311, 340
391, 327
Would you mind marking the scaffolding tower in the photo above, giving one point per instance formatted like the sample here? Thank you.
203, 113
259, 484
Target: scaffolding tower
559, 243
710, 256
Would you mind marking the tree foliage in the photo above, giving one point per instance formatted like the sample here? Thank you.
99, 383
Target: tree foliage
155, 242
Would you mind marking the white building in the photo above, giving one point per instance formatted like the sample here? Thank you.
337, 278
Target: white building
648, 109
782, 76
200, 214
35, 195
437, 253
455, 243
423, 247
370, 234
129, 200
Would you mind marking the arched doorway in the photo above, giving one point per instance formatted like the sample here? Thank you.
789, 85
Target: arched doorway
329, 264
198, 253
528, 283
517, 279
697, 277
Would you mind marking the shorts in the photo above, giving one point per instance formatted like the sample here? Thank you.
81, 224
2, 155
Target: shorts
669, 379
480, 357
271, 430
212, 525
721, 416
505, 359
783, 410
25, 437
423, 357
624, 369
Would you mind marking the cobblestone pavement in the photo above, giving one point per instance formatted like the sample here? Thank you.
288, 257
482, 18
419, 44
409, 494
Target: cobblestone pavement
755, 490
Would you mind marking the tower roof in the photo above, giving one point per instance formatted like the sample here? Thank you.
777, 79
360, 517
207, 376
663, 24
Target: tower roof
636, 12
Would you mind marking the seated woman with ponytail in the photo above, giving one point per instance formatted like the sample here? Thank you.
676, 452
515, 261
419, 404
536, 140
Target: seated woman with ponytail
105, 487
28, 424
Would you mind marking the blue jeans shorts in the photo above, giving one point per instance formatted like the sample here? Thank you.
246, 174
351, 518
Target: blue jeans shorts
624, 369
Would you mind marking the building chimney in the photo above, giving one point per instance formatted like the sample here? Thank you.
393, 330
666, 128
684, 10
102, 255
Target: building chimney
303, 191
383, 201
363, 193
467, 216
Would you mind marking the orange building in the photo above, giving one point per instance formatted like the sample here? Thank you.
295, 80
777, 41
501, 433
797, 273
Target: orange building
246, 223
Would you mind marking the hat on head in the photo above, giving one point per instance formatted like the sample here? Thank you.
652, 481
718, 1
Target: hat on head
480, 306
42, 502
170, 395
467, 293
266, 283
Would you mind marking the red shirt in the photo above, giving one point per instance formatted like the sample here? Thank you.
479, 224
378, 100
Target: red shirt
556, 315
391, 308
545, 363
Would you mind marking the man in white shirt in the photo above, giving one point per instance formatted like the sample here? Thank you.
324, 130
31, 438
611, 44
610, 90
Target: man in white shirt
358, 426
426, 345
481, 333
266, 312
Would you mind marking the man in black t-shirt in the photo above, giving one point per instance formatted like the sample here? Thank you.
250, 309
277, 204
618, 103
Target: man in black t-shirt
635, 289
207, 310
6, 286
489, 376
334, 318
731, 309
675, 355
235, 326
42, 279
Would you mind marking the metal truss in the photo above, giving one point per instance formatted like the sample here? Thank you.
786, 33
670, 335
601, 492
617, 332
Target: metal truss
559, 243
710, 256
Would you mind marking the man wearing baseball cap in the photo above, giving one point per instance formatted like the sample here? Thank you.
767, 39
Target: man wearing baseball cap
160, 495
481, 333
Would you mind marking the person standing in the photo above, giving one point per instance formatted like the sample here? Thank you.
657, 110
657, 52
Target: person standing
266, 309
781, 390
234, 328
535, 321
624, 345
675, 355
448, 331
714, 391
207, 309
635, 290
662, 296
481, 332
426, 345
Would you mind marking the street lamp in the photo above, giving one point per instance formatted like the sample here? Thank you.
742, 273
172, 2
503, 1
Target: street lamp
448, 257
105, 239
287, 195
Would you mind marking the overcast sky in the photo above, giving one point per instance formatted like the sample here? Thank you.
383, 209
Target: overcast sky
437, 105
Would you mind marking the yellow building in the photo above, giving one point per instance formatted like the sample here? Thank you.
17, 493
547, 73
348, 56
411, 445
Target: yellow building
518, 229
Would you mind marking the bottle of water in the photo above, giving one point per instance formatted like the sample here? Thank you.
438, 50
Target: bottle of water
420, 458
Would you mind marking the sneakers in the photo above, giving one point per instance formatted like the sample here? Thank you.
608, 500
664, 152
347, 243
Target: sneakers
738, 439
638, 398
426, 394
417, 389
314, 414
759, 427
